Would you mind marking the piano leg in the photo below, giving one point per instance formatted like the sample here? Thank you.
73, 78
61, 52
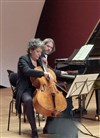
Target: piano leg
97, 94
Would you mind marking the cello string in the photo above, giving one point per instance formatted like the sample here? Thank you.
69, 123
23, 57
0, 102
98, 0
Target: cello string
45, 70
60, 87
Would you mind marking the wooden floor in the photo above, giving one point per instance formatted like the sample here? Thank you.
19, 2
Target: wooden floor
5, 97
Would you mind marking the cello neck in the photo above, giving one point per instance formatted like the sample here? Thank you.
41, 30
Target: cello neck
44, 66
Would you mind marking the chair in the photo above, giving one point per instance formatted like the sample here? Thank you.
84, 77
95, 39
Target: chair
12, 80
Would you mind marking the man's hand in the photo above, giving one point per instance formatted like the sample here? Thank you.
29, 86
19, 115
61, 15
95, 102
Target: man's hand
64, 73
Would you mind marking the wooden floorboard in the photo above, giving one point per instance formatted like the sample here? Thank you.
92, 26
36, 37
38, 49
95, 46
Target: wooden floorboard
5, 96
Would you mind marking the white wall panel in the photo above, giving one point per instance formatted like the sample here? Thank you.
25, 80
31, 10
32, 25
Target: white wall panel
18, 24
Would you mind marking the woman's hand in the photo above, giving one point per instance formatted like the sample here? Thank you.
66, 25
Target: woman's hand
48, 76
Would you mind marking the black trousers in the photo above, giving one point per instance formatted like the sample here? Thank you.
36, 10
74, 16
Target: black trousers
27, 99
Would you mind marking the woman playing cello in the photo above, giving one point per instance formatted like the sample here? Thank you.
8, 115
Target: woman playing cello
25, 89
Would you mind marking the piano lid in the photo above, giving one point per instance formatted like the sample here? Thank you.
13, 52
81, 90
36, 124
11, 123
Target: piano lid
94, 38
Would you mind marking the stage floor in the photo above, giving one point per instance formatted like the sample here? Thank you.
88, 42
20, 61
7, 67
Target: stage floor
5, 96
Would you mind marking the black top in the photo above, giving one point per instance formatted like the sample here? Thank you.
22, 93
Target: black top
25, 71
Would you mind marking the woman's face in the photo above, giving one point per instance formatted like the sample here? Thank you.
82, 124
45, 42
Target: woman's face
35, 54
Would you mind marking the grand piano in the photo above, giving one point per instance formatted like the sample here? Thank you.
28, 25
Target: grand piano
88, 66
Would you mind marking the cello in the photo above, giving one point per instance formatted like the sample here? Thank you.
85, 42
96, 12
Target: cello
48, 100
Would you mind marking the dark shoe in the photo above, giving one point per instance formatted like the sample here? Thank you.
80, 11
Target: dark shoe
77, 113
34, 134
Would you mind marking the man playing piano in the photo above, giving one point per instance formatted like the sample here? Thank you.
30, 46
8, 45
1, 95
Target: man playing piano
48, 49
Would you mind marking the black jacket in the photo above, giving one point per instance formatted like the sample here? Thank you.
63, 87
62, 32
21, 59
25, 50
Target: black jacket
25, 71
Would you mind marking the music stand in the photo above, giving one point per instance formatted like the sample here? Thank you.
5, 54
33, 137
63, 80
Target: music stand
80, 86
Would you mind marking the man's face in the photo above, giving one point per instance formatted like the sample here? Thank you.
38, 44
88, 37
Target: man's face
48, 47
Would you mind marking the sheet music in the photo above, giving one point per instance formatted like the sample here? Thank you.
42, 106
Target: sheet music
83, 52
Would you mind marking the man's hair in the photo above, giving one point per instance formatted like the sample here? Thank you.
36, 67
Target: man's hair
47, 40
34, 43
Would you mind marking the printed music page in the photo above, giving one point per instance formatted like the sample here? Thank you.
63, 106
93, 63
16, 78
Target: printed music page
83, 52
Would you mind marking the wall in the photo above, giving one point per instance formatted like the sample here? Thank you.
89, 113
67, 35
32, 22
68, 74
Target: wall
69, 23
18, 23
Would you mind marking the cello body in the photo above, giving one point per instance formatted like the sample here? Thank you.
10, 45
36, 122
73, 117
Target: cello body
48, 100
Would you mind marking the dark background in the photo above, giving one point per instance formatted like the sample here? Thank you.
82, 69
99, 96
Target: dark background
69, 23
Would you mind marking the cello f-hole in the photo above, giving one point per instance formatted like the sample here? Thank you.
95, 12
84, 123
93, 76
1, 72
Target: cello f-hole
53, 100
